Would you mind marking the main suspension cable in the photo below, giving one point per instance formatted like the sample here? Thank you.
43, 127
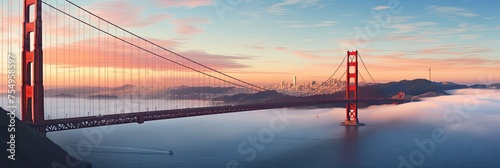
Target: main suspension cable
162, 57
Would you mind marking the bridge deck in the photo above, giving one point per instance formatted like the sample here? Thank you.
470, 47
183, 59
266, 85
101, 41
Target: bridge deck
140, 117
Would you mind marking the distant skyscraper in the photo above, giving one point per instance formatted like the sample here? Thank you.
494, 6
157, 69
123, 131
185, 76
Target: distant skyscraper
313, 83
294, 80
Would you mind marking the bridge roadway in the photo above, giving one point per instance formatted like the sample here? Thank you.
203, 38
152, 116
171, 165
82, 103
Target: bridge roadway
141, 117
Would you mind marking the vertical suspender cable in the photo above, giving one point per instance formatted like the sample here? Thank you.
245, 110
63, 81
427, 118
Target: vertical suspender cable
366, 68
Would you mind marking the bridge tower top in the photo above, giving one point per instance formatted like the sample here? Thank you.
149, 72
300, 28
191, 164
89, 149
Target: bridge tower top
352, 75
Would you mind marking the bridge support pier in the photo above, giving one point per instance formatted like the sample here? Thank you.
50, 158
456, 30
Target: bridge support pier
352, 115
351, 118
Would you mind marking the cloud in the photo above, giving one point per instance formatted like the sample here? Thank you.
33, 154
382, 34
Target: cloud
448, 58
310, 40
408, 38
187, 26
256, 47
401, 19
474, 117
16, 40
452, 62
350, 14
281, 48
477, 92
10, 22
310, 55
289, 22
410, 27
478, 114
216, 61
490, 18
116, 54
456, 50
403, 25
299, 24
258, 72
281, 7
184, 3
124, 13
454, 32
470, 37
448, 11
380, 7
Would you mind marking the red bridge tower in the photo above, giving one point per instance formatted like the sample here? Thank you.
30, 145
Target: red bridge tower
351, 114
31, 71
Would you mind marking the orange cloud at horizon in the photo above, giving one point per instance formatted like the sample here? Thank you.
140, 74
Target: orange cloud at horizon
110, 62
102, 52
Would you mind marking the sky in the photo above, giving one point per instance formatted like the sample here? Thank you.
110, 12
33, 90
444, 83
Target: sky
266, 42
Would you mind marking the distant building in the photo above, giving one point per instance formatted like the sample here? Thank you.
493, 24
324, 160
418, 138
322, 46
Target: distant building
294, 80
313, 83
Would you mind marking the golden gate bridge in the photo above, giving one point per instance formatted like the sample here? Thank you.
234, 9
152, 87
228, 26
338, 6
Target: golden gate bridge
74, 55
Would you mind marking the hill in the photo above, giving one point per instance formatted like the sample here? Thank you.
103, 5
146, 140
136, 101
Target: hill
252, 98
419, 87
410, 87
32, 149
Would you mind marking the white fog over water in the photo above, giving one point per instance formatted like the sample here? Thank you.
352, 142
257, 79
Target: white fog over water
467, 118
